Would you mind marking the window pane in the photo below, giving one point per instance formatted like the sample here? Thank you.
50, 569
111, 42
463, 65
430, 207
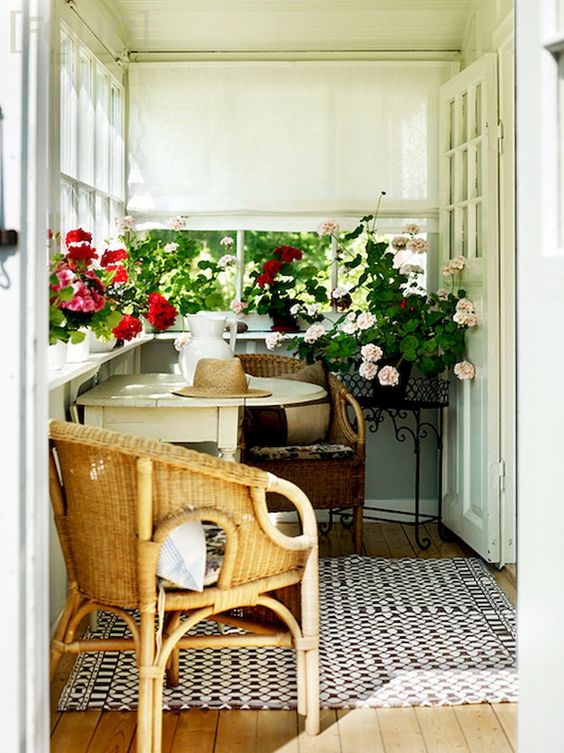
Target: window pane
117, 150
86, 210
68, 208
102, 130
86, 121
102, 232
68, 107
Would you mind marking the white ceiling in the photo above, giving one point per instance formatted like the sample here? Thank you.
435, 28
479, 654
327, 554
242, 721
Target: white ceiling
292, 25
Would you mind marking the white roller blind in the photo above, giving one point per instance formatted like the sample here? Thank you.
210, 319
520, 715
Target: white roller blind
280, 138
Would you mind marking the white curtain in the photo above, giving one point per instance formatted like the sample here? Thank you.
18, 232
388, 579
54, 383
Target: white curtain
254, 141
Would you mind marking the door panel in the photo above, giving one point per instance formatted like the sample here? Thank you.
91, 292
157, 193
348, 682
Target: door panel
469, 228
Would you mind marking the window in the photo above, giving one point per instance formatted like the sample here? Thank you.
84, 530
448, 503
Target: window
92, 142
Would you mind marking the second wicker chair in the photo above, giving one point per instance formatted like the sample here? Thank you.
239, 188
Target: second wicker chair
330, 483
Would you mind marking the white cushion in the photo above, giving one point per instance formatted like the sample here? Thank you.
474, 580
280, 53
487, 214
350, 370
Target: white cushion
182, 559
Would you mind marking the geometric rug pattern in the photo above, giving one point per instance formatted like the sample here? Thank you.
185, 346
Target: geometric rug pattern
394, 632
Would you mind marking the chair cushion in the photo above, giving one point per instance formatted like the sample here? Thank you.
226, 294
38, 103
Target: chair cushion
191, 556
318, 451
298, 424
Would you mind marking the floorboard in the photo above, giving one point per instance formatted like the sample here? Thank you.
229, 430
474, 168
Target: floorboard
463, 729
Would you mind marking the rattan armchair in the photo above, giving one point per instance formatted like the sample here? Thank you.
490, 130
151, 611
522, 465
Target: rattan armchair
116, 498
329, 483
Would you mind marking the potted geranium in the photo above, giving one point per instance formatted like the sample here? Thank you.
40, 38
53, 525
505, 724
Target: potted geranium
279, 284
397, 325
167, 265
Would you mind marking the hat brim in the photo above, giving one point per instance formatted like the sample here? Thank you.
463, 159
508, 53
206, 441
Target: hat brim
222, 395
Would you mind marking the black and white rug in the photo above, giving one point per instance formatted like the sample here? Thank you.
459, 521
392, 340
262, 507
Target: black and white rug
407, 632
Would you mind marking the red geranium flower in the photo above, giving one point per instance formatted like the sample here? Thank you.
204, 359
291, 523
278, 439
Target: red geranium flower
78, 236
403, 303
80, 255
120, 273
272, 267
111, 256
264, 279
160, 313
288, 254
128, 328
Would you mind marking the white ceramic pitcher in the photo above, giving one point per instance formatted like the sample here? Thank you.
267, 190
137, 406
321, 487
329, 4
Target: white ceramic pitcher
207, 341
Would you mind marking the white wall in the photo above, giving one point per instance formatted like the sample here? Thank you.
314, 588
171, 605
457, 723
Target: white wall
487, 21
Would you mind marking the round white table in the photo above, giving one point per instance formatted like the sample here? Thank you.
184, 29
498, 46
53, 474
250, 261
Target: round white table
143, 404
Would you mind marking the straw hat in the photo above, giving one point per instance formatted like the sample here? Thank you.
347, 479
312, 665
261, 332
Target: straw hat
219, 378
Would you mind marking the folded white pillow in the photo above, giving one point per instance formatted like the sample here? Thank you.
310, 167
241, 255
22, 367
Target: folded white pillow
182, 560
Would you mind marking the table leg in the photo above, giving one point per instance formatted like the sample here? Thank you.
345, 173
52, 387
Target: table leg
228, 432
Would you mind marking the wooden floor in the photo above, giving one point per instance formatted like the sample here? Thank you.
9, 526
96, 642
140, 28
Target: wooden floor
461, 729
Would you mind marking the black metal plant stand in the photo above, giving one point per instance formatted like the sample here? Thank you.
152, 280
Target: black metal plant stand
421, 394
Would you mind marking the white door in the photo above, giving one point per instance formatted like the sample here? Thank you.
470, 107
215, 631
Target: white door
469, 228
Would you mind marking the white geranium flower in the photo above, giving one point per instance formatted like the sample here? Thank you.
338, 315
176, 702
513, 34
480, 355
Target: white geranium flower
295, 309
365, 320
368, 370
464, 370
170, 248
349, 326
179, 222
371, 352
417, 246
227, 261
328, 227
237, 307
399, 242
182, 341
313, 333
125, 223
411, 269
339, 293
226, 241
274, 340
458, 262
388, 376
411, 228
312, 309
442, 293
465, 305
465, 319
453, 266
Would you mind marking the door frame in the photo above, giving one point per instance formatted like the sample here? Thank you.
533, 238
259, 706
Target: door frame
24, 514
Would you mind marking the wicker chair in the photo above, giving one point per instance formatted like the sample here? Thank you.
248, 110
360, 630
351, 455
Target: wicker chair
115, 500
329, 483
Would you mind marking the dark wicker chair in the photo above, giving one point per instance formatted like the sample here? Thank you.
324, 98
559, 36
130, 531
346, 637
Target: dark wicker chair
329, 483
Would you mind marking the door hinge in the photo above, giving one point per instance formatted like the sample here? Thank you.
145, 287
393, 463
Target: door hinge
500, 137
501, 474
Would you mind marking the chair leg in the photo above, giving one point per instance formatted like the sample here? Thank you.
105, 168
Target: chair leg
301, 682
172, 669
146, 683
312, 682
157, 714
357, 529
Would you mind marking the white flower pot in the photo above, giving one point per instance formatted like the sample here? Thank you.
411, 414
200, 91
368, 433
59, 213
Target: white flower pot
56, 356
78, 352
100, 346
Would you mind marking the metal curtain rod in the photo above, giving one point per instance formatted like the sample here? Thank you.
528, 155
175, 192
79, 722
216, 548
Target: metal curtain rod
114, 55
286, 52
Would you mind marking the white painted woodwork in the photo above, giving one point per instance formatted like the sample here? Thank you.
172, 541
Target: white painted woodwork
540, 372
469, 228
283, 25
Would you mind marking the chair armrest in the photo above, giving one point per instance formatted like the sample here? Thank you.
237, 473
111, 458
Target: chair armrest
342, 429
308, 539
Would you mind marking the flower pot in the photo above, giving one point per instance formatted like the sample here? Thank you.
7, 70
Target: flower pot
284, 323
100, 346
390, 396
78, 352
56, 356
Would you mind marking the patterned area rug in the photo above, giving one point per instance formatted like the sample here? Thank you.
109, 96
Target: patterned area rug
408, 632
